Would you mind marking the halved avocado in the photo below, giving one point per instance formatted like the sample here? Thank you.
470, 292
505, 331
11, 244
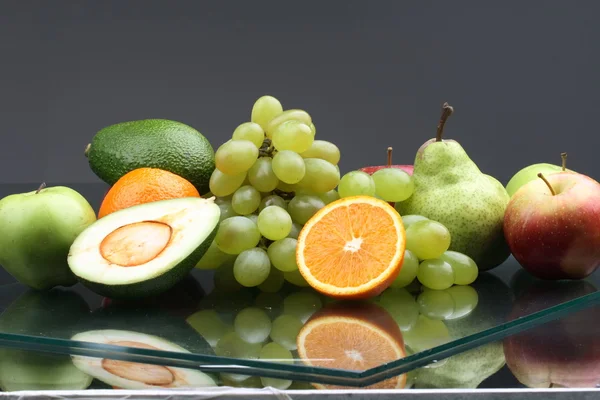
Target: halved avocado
130, 375
146, 249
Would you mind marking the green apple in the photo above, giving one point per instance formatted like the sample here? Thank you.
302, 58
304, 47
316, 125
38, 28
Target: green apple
530, 172
37, 229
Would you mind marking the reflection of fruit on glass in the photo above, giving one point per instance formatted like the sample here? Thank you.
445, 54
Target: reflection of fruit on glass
36, 230
451, 189
352, 248
152, 143
470, 368
560, 353
354, 337
551, 225
144, 185
146, 249
50, 313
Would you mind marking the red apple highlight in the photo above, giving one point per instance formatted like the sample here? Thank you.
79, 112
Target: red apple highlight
552, 226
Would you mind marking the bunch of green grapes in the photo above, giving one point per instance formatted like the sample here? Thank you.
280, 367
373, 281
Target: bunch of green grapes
270, 178
265, 328
389, 184
428, 260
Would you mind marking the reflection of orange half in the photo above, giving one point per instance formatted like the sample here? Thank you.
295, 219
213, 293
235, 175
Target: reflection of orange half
353, 337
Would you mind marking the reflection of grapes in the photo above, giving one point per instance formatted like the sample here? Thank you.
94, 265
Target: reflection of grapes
401, 306
285, 329
465, 300
253, 325
276, 353
436, 304
302, 304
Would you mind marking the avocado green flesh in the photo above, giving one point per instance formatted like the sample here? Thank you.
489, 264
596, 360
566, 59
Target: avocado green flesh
128, 375
152, 143
193, 223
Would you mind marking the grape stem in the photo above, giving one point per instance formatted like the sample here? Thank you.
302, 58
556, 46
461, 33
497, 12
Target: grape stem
564, 161
284, 195
389, 158
540, 175
447, 111
266, 150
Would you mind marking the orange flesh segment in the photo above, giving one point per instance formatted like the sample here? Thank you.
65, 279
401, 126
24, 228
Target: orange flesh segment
353, 245
136, 244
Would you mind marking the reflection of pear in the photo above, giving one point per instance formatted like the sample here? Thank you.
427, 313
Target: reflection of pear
352, 336
51, 313
450, 189
470, 368
563, 352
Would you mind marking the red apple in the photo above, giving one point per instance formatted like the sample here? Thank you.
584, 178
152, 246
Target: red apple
552, 226
561, 353
374, 168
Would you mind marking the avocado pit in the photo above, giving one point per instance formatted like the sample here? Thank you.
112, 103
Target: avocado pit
136, 244
149, 374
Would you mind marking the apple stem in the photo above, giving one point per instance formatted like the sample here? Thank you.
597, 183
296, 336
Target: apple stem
564, 161
447, 111
87, 149
540, 175
42, 186
389, 158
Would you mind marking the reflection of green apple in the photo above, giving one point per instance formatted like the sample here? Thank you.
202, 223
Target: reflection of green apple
36, 230
530, 173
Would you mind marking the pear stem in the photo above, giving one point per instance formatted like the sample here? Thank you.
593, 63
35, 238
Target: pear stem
42, 186
389, 158
564, 161
540, 175
447, 111
87, 149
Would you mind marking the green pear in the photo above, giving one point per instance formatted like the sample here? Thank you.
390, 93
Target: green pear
531, 172
450, 189
37, 229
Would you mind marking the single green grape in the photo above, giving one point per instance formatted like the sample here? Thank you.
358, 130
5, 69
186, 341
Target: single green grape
302, 304
401, 306
436, 304
408, 271
272, 200
252, 324
295, 278
264, 110
288, 115
324, 150
329, 197
213, 258
356, 183
320, 177
465, 299
222, 185
249, 131
274, 223
303, 207
464, 267
313, 129
227, 210
286, 187
284, 331
245, 200
292, 135
435, 274
273, 283
427, 239
224, 280
282, 254
261, 175
274, 352
237, 234
408, 220
295, 231
288, 166
252, 267
235, 156
393, 184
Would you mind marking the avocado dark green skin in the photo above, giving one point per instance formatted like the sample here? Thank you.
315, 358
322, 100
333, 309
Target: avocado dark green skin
152, 143
157, 285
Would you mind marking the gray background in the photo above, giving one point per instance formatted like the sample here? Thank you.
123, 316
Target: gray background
522, 75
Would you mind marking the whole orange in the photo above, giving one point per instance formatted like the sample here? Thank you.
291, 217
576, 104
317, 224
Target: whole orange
145, 185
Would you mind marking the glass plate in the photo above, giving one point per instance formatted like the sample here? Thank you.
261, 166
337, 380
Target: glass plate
207, 324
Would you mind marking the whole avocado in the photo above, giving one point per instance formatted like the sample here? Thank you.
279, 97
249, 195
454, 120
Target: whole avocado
152, 143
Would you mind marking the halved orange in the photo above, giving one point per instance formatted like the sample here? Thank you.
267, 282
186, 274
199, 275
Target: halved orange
352, 248
354, 337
